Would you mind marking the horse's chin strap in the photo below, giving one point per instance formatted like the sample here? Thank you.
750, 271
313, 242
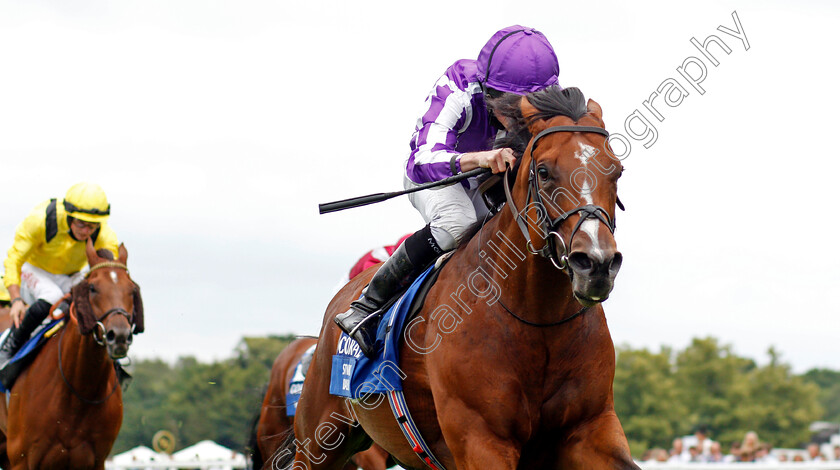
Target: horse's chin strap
551, 228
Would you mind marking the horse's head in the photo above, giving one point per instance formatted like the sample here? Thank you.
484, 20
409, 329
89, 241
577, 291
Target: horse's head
570, 182
108, 303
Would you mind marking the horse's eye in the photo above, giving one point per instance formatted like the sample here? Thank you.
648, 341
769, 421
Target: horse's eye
92, 289
543, 173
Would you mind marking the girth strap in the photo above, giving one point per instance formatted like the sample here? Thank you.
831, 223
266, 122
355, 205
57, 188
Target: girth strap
409, 429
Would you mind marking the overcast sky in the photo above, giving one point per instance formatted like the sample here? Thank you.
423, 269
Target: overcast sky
216, 127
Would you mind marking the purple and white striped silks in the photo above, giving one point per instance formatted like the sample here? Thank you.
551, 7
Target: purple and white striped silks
455, 122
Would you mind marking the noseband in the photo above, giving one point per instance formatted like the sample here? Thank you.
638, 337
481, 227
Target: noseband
552, 227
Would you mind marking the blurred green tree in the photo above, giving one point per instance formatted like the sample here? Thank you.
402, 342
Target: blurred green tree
197, 401
646, 399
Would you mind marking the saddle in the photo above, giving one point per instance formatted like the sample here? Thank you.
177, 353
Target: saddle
355, 375
27, 353
351, 368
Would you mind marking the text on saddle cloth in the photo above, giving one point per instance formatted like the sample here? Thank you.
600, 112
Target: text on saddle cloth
354, 374
296, 384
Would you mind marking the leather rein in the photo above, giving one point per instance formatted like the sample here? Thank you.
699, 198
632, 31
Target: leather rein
551, 227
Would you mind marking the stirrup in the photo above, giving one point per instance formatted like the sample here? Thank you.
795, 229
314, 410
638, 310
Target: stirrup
364, 333
352, 332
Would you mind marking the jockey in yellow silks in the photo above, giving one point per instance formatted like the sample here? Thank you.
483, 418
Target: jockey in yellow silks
48, 256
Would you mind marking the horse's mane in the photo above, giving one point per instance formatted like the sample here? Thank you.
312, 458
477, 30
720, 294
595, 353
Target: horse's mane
555, 101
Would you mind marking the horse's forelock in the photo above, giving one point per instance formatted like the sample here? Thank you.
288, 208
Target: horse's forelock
105, 254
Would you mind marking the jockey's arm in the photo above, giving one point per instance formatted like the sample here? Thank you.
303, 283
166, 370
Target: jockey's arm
496, 160
25, 236
14, 291
32, 228
17, 307
435, 155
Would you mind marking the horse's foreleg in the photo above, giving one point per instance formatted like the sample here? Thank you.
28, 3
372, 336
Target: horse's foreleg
475, 444
599, 443
485, 451
374, 458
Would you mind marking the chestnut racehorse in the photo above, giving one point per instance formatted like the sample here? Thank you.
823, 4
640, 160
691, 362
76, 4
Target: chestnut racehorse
274, 426
65, 409
509, 364
5, 319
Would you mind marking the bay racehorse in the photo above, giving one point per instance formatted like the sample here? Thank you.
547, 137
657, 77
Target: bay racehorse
65, 409
274, 426
509, 364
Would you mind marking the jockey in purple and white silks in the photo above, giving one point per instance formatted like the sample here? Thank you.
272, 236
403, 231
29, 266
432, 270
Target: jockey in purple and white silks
471, 105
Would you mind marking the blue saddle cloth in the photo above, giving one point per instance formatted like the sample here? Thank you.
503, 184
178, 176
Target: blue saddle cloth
354, 374
296, 384
24, 356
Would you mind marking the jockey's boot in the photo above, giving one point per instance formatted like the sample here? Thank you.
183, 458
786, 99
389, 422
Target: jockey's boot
35, 314
409, 260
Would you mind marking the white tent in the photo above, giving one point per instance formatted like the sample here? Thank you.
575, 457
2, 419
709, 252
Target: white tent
209, 451
140, 454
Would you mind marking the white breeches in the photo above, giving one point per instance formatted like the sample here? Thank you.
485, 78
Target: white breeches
449, 210
39, 284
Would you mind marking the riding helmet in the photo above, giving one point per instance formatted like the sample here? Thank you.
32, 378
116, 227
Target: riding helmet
87, 201
519, 60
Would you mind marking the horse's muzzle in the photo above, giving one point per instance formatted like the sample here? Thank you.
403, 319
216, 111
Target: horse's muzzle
117, 341
593, 278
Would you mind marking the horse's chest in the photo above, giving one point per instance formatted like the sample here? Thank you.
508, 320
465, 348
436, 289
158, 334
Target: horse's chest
73, 444
573, 397
81, 456
60, 448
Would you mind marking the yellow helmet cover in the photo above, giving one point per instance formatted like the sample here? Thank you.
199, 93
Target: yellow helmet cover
87, 201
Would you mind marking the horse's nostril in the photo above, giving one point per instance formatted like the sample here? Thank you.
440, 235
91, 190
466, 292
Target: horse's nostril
615, 264
111, 336
580, 262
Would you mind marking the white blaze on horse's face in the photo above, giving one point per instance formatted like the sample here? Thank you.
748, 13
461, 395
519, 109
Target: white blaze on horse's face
589, 177
590, 226
113, 276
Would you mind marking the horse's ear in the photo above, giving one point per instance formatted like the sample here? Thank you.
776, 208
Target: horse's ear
139, 324
123, 253
529, 112
84, 312
90, 251
594, 108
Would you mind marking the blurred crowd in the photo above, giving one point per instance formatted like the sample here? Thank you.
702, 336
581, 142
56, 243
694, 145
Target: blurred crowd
700, 448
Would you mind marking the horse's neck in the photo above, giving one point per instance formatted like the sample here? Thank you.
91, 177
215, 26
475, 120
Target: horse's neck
528, 284
84, 364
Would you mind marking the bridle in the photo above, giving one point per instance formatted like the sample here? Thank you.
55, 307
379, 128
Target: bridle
100, 339
100, 325
551, 227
